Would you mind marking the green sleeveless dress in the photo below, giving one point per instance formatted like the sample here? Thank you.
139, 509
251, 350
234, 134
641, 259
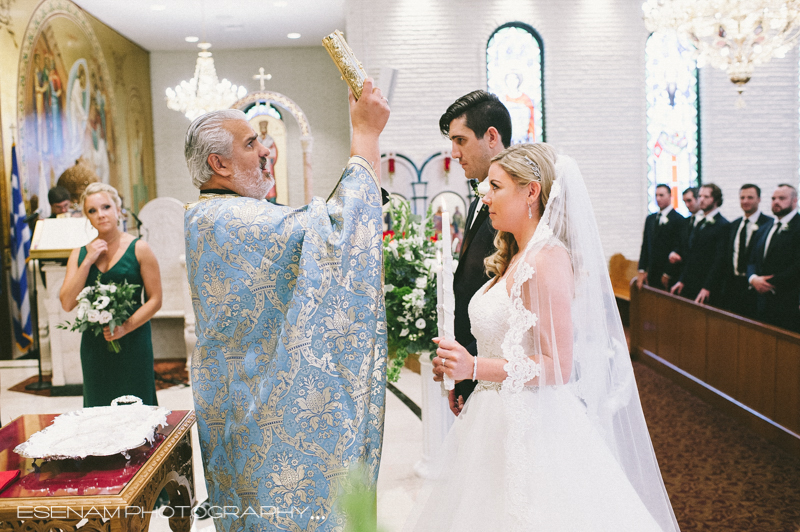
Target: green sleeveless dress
108, 375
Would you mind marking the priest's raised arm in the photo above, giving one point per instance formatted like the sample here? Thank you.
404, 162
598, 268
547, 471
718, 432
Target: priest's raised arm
288, 374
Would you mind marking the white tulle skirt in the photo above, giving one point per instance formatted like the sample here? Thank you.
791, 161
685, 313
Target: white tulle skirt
572, 482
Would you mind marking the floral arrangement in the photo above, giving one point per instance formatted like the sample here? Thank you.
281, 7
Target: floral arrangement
103, 305
409, 257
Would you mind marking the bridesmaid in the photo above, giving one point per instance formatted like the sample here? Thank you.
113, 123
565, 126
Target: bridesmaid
115, 256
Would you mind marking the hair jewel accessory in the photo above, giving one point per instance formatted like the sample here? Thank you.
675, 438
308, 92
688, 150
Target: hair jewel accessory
534, 167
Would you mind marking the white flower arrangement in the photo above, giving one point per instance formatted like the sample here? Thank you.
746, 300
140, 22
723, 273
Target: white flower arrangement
102, 305
409, 256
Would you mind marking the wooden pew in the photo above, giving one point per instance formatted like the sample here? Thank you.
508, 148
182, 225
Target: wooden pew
748, 370
621, 271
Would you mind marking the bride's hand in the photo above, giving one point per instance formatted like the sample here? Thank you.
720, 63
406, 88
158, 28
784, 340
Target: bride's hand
455, 359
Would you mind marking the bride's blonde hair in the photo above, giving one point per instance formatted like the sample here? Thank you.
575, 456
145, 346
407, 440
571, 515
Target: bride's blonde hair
516, 161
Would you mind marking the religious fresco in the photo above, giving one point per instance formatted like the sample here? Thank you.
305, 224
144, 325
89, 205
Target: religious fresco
672, 118
268, 123
514, 74
142, 182
68, 107
71, 107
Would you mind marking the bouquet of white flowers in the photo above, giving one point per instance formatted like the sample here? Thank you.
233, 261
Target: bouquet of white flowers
103, 305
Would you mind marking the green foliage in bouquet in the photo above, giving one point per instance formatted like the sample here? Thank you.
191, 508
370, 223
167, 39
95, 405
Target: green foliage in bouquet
409, 258
100, 306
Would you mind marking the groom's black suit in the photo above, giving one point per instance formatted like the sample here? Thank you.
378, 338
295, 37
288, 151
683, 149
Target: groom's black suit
468, 278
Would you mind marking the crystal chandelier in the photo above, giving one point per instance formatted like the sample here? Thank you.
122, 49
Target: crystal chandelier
204, 92
733, 35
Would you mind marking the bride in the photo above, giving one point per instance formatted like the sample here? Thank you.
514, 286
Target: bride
553, 438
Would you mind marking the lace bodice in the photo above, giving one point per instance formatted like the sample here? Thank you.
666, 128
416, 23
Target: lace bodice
488, 316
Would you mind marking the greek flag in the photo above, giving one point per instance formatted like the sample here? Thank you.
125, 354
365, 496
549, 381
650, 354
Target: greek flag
20, 248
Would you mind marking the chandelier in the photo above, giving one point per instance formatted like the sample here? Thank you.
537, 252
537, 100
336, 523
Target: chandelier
733, 35
204, 92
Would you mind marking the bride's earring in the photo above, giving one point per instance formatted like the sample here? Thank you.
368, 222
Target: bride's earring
530, 213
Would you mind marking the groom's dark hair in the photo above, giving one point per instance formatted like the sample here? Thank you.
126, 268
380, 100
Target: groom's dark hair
482, 111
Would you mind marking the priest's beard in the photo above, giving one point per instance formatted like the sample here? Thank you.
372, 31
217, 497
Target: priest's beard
252, 183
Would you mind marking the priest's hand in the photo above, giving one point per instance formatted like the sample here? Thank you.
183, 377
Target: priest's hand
368, 115
677, 288
454, 358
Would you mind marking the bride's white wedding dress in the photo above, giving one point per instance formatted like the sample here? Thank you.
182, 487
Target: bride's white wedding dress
566, 477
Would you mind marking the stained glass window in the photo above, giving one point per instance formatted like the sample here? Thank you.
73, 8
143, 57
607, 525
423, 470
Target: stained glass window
673, 120
514, 73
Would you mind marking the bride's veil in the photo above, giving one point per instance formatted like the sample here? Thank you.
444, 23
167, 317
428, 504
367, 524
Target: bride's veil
580, 345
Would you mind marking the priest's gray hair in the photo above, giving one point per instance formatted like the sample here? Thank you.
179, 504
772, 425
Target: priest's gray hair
206, 136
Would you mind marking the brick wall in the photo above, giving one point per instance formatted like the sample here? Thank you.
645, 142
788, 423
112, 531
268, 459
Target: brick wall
594, 95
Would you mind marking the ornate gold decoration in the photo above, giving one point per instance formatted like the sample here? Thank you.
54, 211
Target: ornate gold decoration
351, 69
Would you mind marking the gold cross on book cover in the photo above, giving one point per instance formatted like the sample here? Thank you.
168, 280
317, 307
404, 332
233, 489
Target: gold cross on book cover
351, 69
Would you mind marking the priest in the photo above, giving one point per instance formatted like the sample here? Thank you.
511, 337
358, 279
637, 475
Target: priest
288, 374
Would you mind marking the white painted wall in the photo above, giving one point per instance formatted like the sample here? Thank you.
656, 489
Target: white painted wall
306, 75
594, 96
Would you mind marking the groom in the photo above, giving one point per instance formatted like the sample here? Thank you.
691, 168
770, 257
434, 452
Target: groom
479, 127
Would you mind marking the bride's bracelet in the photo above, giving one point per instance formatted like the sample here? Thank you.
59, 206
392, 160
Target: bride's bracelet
475, 368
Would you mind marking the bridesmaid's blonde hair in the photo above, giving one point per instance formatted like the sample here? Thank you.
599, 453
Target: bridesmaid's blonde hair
516, 161
97, 188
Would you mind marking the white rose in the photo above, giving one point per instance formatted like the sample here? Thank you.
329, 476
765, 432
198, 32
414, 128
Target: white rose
102, 302
408, 256
420, 324
387, 288
93, 315
421, 282
404, 332
85, 293
483, 187
105, 317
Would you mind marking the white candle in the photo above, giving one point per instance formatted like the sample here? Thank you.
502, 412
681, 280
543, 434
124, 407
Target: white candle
448, 297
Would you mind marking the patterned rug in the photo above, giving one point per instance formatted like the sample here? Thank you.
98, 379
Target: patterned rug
168, 373
719, 475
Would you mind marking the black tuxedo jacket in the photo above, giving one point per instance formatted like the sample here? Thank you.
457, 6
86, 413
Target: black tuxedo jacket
783, 263
469, 277
763, 222
658, 241
737, 295
703, 261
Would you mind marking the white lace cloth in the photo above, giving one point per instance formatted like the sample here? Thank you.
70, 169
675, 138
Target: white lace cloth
97, 431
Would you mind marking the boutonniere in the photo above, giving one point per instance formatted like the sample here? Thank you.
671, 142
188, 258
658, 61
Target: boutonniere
482, 188
754, 228
783, 228
709, 221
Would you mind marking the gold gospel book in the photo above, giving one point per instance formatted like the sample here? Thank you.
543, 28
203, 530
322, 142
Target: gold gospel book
351, 69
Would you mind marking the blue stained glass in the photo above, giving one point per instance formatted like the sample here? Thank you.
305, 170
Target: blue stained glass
672, 118
514, 74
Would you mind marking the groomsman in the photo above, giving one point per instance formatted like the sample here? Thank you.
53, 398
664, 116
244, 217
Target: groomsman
662, 232
702, 269
774, 271
688, 225
738, 297
479, 127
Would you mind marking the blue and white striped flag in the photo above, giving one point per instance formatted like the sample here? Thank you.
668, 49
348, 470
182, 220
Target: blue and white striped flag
20, 249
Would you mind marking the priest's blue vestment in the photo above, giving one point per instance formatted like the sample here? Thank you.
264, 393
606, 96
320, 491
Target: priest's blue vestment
288, 374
